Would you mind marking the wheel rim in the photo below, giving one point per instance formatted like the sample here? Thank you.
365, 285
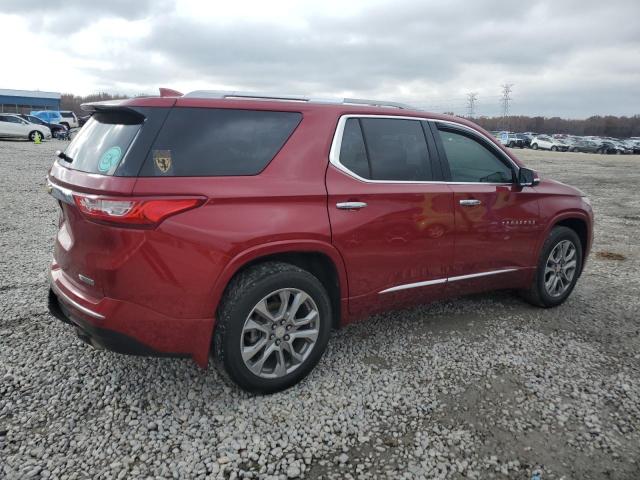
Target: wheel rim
560, 268
280, 332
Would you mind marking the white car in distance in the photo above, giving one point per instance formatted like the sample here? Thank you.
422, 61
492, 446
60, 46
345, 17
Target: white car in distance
69, 119
12, 126
545, 142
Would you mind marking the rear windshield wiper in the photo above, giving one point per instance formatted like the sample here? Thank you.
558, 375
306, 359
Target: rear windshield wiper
64, 156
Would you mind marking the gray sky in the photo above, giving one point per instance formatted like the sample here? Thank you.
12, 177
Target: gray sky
571, 58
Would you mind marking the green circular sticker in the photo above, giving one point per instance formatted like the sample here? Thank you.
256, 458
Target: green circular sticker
109, 159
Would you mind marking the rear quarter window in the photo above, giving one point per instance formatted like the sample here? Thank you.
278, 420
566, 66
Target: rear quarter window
218, 142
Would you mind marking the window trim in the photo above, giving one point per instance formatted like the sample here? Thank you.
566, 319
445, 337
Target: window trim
470, 133
438, 155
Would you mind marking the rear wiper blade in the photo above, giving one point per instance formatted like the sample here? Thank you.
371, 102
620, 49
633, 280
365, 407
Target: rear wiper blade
64, 156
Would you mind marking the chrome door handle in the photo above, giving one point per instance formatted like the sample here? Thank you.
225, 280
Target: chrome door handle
470, 202
350, 205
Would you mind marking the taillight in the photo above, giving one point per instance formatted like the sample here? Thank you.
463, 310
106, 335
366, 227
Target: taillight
132, 211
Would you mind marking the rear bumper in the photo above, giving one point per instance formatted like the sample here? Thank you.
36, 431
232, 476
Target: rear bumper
127, 328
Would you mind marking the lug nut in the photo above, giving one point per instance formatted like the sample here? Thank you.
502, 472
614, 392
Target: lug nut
277, 342
286, 338
273, 326
288, 327
281, 322
272, 336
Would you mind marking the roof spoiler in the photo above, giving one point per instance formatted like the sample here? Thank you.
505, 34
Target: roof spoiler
168, 92
106, 104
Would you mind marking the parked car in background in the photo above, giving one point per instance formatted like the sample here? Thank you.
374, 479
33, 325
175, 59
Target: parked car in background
511, 140
633, 145
251, 236
49, 116
545, 142
69, 119
13, 126
586, 146
526, 141
54, 127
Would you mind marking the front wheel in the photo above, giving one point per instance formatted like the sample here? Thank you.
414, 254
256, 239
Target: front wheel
273, 327
559, 267
35, 136
534, 146
554, 148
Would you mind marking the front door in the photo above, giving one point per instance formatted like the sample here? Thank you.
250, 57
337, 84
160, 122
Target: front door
393, 228
496, 221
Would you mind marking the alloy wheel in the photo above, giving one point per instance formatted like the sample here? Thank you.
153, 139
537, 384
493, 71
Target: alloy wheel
279, 333
560, 268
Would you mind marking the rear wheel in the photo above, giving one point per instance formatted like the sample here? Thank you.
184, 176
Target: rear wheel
273, 326
554, 148
559, 267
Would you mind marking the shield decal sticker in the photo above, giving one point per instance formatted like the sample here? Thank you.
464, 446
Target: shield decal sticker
162, 160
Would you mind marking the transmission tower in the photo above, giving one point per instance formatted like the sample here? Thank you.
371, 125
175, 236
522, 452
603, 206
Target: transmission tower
506, 92
472, 97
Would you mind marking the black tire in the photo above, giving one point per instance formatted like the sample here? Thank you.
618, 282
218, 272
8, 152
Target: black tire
554, 148
32, 135
65, 125
534, 146
244, 292
537, 294
510, 145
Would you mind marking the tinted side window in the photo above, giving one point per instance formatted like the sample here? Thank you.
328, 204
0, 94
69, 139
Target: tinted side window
353, 154
397, 149
218, 142
470, 161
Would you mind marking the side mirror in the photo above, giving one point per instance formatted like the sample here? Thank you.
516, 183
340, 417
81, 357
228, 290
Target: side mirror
527, 177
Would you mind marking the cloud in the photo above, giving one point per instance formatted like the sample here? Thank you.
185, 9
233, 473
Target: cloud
73, 15
572, 58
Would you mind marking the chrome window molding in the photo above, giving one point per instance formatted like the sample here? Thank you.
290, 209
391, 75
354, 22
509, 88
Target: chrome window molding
336, 145
437, 281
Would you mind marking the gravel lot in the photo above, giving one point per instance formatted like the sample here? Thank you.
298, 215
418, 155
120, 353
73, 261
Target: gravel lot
481, 387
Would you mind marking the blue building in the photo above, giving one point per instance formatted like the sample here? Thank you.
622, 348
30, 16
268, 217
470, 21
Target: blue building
23, 101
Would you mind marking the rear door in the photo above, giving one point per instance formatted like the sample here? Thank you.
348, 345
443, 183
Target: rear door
391, 216
496, 221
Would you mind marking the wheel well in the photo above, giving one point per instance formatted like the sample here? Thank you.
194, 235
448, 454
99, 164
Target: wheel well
580, 227
319, 265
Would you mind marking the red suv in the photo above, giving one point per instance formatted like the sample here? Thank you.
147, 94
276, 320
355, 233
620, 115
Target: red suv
248, 227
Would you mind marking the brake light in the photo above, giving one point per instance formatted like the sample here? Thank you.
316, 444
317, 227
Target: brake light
132, 211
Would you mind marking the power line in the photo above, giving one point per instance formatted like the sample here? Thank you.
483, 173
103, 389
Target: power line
472, 97
506, 91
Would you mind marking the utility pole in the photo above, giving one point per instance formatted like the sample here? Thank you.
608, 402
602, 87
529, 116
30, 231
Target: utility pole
506, 91
472, 97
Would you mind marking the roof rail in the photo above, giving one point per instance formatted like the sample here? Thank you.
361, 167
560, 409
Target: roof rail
293, 98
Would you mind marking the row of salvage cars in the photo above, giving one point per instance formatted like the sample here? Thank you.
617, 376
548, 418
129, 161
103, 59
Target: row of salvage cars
569, 143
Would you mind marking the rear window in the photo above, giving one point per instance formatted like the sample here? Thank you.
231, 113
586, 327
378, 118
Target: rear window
218, 142
102, 143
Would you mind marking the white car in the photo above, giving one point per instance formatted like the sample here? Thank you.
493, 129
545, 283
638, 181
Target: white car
69, 119
545, 142
12, 126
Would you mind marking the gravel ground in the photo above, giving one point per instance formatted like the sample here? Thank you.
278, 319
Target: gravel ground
480, 387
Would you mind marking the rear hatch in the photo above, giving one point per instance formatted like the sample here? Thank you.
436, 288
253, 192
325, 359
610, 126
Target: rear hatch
100, 166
